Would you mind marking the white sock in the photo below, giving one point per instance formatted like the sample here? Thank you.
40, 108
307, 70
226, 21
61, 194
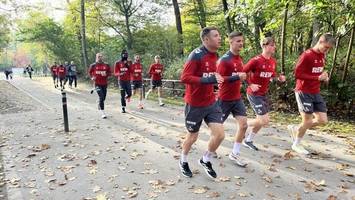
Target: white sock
140, 102
160, 100
236, 148
183, 158
250, 137
297, 141
207, 156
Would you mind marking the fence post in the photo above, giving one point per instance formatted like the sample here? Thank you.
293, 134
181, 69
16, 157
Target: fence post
65, 111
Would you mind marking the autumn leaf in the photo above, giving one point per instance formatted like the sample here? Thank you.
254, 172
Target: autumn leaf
101, 197
224, 179
201, 190
288, 155
213, 195
332, 197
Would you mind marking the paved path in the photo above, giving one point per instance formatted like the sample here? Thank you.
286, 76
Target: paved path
134, 155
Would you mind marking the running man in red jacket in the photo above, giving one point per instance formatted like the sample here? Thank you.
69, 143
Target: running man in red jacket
54, 74
199, 75
136, 78
230, 67
122, 71
61, 72
261, 70
156, 74
309, 74
99, 73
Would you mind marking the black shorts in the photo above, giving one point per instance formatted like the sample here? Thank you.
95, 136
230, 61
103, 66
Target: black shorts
195, 115
156, 83
259, 104
310, 103
136, 84
236, 107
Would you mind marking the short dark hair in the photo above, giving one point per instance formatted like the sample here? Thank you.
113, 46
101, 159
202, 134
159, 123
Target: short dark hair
328, 37
205, 31
235, 34
267, 41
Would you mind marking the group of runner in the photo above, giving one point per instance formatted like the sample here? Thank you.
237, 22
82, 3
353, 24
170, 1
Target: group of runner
203, 69
129, 76
63, 73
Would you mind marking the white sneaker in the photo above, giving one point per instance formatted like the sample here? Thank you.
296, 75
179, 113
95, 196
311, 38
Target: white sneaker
103, 115
299, 149
292, 129
237, 160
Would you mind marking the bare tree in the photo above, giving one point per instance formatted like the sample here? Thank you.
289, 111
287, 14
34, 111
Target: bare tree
178, 26
83, 35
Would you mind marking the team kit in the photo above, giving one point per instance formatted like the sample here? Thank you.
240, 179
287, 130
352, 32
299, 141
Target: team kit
204, 69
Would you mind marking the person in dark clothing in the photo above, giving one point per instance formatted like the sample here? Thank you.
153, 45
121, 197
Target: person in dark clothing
8, 73
29, 70
72, 74
122, 71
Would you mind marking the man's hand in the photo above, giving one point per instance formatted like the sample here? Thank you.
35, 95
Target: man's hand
242, 76
323, 76
219, 78
282, 78
254, 87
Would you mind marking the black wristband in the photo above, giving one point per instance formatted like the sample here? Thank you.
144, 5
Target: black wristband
233, 78
208, 80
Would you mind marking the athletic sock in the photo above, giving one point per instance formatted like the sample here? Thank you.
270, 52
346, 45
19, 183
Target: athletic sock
297, 141
250, 137
207, 156
183, 158
236, 148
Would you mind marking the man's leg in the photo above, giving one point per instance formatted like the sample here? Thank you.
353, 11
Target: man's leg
159, 96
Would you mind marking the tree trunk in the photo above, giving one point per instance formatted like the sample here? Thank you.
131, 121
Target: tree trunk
201, 13
178, 27
348, 54
283, 39
83, 36
129, 33
334, 58
226, 17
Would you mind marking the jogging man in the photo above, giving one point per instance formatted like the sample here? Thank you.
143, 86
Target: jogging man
61, 72
199, 75
122, 71
261, 69
67, 76
29, 70
136, 78
54, 74
8, 73
99, 72
309, 74
230, 67
156, 73
72, 74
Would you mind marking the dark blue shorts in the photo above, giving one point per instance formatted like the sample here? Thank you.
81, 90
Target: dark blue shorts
236, 107
310, 103
136, 84
259, 104
156, 83
195, 115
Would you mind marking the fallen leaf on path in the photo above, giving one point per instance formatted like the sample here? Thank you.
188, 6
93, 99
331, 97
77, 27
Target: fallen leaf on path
201, 190
96, 189
101, 197
213, 195
224, 179
288, 155
332, 197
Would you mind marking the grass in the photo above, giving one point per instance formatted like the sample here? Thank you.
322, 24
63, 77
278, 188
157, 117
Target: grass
334, 126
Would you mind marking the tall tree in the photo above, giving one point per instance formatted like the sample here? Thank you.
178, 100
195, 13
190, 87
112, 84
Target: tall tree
83, 35
348, 54
226, 16
283, 38
178, 26
201, 12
